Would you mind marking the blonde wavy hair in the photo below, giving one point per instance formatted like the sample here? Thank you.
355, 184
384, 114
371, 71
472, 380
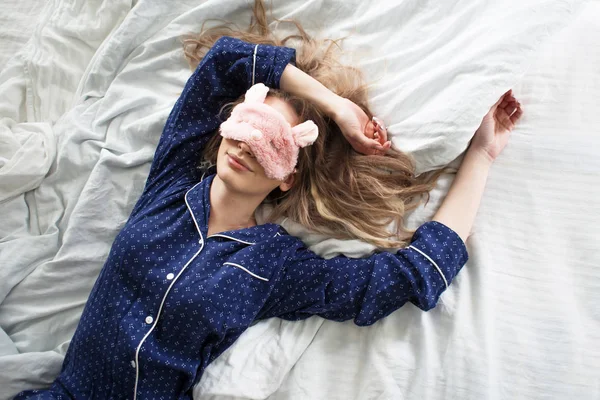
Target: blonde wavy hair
338, 191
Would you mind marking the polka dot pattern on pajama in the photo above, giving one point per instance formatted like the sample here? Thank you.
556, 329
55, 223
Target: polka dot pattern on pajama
170, 299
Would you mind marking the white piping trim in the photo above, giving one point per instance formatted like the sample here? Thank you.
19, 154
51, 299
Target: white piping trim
137, 350
434, 264
198, 228
242, 268
254, 64
230, 237
190, 209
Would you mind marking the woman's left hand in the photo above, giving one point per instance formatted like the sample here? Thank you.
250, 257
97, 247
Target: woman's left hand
492, 135
366, 136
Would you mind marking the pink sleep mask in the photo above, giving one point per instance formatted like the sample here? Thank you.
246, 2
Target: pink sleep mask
273, 141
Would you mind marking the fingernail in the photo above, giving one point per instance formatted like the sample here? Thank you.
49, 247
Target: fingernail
379, 122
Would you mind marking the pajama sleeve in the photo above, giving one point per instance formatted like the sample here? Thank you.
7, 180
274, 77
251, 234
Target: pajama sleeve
224, 74
368, 289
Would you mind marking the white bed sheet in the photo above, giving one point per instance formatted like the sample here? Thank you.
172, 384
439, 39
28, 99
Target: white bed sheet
17, 21
519, 320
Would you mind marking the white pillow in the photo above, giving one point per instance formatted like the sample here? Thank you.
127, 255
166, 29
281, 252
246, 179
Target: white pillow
437, 66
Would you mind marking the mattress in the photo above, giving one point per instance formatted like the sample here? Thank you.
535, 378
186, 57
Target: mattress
82, 106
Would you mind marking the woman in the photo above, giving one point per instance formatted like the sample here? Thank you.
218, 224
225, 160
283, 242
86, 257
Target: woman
192, 269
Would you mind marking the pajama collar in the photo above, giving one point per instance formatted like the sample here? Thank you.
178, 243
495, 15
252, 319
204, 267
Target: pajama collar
198, 203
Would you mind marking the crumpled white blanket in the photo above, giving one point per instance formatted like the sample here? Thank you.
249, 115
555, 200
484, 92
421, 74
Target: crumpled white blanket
27, 151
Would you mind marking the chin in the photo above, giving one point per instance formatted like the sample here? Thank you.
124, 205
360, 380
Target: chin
233, 179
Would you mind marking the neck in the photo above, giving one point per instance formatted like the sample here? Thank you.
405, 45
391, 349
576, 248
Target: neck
230, 210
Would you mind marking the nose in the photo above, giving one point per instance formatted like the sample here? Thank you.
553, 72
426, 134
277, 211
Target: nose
245, 148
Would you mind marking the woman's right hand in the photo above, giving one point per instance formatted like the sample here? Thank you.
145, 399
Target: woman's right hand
365, 136
492, 135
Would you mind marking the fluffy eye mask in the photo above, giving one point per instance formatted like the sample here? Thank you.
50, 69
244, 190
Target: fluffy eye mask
273, 141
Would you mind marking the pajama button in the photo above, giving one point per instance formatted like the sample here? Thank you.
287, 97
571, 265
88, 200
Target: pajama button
149, 319
170, 276
132, 364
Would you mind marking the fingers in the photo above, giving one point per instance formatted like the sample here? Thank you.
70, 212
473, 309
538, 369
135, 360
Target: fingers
517, 115
512, 107
369, 145
374, 141
509, 116
504, 120
381, 135
506, 99
380, 130
511, 110
381, 147
502, 98
373, 147
509, 100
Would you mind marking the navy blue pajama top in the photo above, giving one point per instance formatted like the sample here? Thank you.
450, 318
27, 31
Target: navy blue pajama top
170, 298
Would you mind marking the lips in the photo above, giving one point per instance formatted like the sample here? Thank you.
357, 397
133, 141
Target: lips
239, 161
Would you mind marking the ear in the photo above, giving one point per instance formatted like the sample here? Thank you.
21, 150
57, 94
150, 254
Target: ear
288, 182
256, 94
305, 133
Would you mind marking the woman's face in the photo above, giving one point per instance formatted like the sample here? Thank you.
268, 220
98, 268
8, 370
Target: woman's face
238, 168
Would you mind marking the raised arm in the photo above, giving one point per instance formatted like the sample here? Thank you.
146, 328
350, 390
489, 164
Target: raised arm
462, 201
369, 289
224, 74
351, 119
